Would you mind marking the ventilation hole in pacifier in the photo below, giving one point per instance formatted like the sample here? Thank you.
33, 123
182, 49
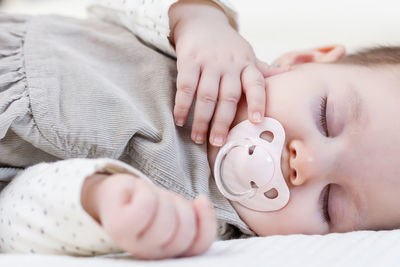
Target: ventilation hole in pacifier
271, 194
251, 150
267, 136
253, 185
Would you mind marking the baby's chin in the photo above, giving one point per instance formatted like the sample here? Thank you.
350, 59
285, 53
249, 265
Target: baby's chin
264, 223
250, 218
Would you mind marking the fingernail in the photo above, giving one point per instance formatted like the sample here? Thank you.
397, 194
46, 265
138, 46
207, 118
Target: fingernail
218, 141
198, 139
257, 117
179, 122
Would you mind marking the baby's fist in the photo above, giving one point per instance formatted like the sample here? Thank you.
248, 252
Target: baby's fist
152, 223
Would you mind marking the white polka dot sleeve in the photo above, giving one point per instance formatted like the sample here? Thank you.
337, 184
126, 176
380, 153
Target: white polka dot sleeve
148, 19
41, 211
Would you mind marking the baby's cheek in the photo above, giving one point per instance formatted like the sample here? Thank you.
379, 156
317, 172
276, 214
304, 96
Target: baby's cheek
292, 219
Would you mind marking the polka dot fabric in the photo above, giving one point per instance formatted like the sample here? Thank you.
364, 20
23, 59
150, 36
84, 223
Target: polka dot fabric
41, 212
148, 19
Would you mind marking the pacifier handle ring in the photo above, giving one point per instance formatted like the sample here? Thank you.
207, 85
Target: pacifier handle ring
219, 177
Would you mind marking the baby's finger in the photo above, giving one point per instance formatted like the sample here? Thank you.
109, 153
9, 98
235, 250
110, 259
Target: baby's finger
161, 230
186, 228
206, 227
135, 212
268, 71
229, 96
142, 204
206, 99
186, 83
253, 84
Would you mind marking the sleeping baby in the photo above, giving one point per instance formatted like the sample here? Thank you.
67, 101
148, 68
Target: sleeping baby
110, 144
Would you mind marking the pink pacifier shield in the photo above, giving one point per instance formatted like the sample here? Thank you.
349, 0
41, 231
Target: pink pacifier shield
247, 169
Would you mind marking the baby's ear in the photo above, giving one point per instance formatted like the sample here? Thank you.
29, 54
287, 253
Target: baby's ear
324, 54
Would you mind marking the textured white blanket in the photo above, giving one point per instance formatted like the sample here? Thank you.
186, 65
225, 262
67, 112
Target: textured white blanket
364, 248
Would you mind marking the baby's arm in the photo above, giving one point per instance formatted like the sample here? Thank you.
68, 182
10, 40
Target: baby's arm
147, 19
41, 211
74, 207
215, 64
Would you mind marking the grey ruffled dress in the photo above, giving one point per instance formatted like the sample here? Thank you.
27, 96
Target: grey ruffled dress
87, 89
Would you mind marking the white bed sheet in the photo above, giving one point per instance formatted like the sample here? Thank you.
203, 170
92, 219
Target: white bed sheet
363, 248
300, 25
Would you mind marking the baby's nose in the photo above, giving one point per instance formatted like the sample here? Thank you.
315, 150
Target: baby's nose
302, 163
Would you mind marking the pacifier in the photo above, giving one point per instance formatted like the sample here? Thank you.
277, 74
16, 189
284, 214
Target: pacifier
248, 168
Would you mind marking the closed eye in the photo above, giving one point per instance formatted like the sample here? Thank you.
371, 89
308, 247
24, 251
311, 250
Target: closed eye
322, 115
324, 203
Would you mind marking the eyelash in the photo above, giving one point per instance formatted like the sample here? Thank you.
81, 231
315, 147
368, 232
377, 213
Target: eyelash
325, 211
322, 115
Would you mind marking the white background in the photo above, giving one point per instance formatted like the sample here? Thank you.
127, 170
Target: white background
277, 26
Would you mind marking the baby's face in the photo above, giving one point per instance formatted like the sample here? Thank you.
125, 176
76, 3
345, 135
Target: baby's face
343, 173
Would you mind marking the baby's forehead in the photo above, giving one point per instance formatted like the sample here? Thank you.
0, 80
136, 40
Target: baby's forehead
391, 70
385, 75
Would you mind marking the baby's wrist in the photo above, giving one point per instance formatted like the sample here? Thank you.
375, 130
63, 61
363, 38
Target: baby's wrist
187, 10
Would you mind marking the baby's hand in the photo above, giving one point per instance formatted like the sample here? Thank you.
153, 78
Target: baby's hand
150, 222
217, 65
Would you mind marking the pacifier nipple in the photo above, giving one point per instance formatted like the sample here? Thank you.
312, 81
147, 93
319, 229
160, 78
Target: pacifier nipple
247, 169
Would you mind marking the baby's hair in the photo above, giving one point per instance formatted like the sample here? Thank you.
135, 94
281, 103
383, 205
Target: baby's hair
379, 55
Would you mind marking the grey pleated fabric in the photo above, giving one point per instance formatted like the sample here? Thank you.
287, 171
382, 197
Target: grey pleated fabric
86, 89
6, 173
